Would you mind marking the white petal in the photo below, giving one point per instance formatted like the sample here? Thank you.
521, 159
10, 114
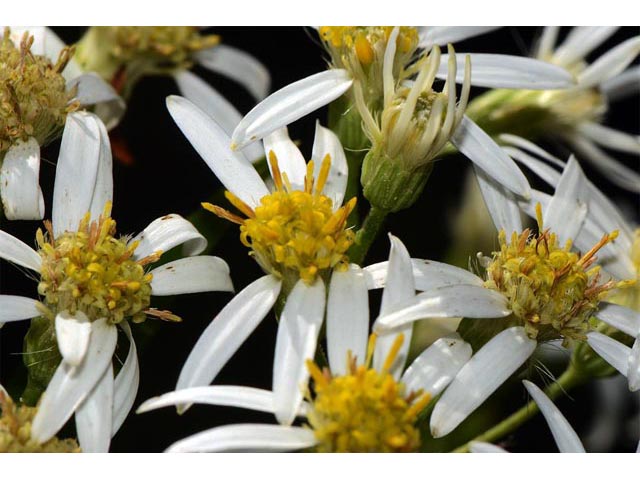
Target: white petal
289, 104
228, 331
222, 395
500, 202
526, 145
347, 318
126, 383
53, 45
483, 447
430, 36
70, 385
494, 363
76, 171
436, 367
565, 436
610, 137
400, 288
508, 71
580, 42
446, 302
247, 437
296, 342
610, 64
623, 85
93, 416
167, 232
633, 375
19, 176
239, 66
622, 318
544, 49
103, 190
14, 308
94, 92
427, 274
546, 172
215, 105
290, 160
327, 143
191, 275
18, 252
212, 143
73, 333
480, 148
613, 352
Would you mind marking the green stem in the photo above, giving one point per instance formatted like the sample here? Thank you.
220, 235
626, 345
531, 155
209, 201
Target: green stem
568, 380
367, 234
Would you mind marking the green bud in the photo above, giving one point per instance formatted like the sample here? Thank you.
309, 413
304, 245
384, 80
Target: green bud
41, 357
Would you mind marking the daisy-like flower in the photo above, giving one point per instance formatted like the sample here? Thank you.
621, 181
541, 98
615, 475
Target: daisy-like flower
92, 281
40, 87
357, 56
574, 115
542, 289
364, 402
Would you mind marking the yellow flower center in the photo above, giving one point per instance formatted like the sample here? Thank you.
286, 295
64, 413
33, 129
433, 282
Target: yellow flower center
630, 297
552, 291
15, 431
294, 233
34, 101
94, 272
365, 410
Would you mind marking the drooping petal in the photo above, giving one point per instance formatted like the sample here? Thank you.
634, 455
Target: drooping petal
212, 143
347, 318
446, 302
94, 416
480, 148
76, 171
296, 342
94, 92
290, 159
125, 387
436, 367
70, 385
228, 331
18, 252
73, 333
480, 377
612, 63
20, 179
580, 42
483, 447
508, 71
238, 65
565, 436
191, 275
200, 93
613, 352
289, 104
624, 319
327, 143
623, 85
247, 437
168, 232
430, 36
500, 202
13, 308
610, 137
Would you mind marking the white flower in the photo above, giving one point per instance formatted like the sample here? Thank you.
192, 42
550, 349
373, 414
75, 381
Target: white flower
40, 93
542, 310
364, 53
363, 368
90, 282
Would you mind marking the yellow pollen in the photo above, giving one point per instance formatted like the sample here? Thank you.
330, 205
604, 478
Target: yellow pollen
364, 410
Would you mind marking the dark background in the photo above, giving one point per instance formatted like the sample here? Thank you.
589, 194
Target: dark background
168, 176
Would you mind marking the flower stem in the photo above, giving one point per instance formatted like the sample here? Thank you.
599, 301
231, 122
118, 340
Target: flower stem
367, 234
568, 380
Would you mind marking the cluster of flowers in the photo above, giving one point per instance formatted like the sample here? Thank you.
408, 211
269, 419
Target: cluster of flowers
571, 279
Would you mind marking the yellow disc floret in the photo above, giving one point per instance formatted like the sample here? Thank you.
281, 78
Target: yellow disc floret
551, 290
94, 272
34, 101
365, 410
15, 431
294, 233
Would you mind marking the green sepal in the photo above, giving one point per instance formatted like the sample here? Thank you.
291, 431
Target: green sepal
41, 357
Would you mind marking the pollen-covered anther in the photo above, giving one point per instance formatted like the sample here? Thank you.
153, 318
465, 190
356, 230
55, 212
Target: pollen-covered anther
34, 100
551, 290
294, 233
93, 271
365, 410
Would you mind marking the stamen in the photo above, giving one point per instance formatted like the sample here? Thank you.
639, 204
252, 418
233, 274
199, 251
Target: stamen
393, 352
323, 174
275, 170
